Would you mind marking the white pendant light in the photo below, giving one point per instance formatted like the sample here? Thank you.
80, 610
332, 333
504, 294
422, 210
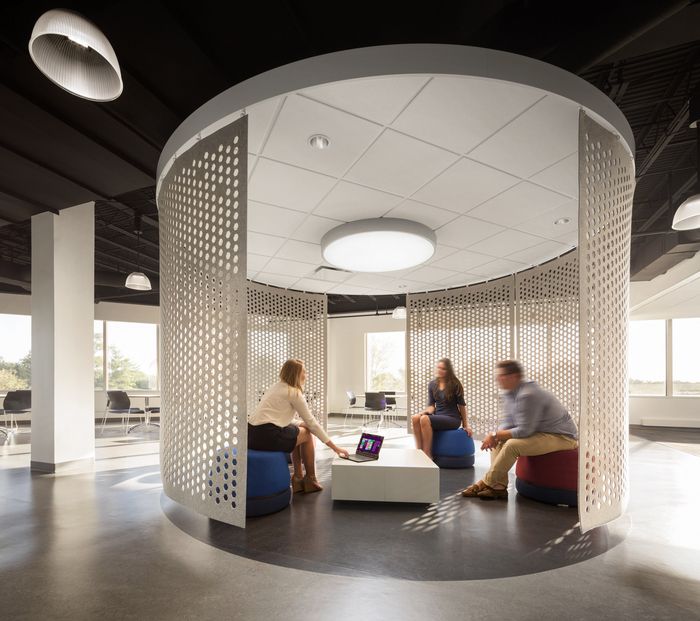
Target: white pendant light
74, 54
378, 245
687, 216
138, 280
399, 313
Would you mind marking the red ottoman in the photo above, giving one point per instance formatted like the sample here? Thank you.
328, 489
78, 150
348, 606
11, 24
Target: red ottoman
550, 478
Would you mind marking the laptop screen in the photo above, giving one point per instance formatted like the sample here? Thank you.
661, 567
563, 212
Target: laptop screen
370, 444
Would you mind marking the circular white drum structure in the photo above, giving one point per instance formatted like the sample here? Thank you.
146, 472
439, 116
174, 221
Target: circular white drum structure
520, 174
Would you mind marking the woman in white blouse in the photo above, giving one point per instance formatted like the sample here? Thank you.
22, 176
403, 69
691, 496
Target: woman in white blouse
271, 428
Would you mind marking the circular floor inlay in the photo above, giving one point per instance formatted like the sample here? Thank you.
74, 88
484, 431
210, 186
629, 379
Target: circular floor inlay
455, 539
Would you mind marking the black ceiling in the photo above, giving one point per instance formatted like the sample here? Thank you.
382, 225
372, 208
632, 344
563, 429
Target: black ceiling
57, 150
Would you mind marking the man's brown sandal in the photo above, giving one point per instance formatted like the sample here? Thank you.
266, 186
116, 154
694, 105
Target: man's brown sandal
473, 490
489, 493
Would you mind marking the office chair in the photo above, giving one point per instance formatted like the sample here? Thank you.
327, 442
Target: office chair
352, 405
118, 402
16, 402
391, 406
375, 402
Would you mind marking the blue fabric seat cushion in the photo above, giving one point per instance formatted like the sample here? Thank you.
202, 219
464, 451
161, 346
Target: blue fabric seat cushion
549, 495
452, 443
268, 473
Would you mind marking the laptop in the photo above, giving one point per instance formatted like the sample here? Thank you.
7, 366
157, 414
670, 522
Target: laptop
367, 448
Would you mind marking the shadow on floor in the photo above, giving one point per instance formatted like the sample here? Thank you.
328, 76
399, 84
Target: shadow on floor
454, 539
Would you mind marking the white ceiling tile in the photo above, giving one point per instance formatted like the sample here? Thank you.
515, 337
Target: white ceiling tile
349, 201
270, 219
505, 243
330, 275
313, 229
256, 262
518, 204
399, 164
266, 245
460, 280
441, 251
349, 289
428, 215
538, 138
463, 260
301, 118
429, 274
543, 225
279, 280
562, 176
465, 231
286, 267
570, 238
311, 284
539, 254
300, 251
465, 185
287, 186
458, 113
377, 99
259, 119
499, 267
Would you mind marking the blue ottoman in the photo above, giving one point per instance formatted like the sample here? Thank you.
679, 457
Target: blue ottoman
268, 483
453, 449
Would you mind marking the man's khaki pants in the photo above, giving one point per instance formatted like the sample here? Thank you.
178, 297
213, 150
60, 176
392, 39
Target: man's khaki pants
506, 453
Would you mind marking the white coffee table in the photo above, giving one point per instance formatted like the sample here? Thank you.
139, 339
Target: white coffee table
399, 475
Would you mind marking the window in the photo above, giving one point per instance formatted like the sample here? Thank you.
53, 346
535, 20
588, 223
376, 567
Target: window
686, 344
386, 361
132, 356
15, 352
647, 357
99, 346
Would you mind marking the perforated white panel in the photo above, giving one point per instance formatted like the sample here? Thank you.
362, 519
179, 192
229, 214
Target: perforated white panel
547, 323
606, 187
473, 327
281, 325
202, 210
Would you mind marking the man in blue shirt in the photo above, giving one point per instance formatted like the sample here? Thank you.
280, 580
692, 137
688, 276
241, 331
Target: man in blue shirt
534, 423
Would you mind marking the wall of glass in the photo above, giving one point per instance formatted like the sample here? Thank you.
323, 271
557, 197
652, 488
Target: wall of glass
126, 356
15, 352
647, 351
663, 357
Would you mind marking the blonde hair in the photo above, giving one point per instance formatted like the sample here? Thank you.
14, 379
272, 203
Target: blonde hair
290, 373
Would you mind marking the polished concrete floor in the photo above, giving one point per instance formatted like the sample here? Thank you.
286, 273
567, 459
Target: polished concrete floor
108, 545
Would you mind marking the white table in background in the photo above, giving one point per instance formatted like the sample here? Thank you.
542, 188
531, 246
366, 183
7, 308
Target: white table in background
399, 475
146, 405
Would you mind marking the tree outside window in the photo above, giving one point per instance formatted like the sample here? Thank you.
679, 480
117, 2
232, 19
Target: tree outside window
386, 361
15, 352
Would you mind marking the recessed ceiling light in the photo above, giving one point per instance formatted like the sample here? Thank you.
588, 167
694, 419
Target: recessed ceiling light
378, 245
561, 221
319, 141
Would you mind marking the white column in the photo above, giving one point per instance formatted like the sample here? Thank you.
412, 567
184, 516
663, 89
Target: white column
63, 291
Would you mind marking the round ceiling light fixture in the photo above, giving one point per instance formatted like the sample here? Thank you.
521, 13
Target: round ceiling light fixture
319, 141
560, 221
378, 245
74, 54
399, 313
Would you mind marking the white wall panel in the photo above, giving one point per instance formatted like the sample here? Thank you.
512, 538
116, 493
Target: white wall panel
286, 324
473, 327
202, 205
606, 188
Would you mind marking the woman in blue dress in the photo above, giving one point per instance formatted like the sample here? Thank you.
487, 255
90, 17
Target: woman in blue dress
446, 408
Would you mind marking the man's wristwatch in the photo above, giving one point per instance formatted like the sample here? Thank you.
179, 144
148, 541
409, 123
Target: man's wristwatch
494, 435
